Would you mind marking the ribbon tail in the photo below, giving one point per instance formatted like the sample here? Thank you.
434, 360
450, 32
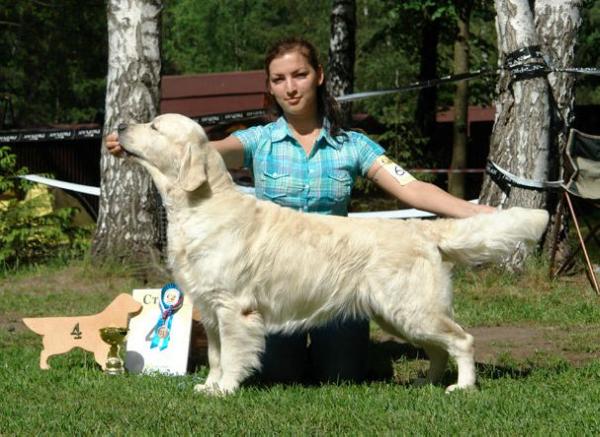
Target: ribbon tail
165, 342
155, 337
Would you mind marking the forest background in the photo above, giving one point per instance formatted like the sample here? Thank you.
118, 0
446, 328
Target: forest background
54, 54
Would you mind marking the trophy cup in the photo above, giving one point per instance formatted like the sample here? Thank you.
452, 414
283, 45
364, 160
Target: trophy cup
114, 337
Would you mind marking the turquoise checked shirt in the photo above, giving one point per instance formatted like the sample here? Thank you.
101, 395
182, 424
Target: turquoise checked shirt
320, 182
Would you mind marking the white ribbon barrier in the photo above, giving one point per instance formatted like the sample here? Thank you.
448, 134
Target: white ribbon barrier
85, 189
95, 191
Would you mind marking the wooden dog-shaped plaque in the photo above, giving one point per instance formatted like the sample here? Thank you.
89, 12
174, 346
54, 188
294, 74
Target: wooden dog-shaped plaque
61, 334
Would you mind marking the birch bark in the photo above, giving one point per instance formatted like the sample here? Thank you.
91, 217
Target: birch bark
520, 139
558, 24
342, 47
128, 224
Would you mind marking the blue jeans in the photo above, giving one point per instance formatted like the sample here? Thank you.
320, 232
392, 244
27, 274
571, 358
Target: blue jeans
337, 352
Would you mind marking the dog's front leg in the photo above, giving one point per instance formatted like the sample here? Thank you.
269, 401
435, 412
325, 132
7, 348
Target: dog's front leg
242, 336
214, 359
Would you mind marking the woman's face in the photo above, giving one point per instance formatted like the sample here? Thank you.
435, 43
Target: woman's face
293, 82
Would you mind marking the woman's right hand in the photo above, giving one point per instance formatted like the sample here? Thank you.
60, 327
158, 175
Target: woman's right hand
113, 145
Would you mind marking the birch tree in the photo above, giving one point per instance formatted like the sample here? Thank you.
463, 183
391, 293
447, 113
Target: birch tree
128, 225
533, 114
342, 47
520, 139
558, 24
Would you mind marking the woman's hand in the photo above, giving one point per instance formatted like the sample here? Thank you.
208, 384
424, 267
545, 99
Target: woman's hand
112, 144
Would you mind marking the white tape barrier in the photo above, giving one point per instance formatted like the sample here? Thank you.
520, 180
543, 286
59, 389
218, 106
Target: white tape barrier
86, 189
95, 191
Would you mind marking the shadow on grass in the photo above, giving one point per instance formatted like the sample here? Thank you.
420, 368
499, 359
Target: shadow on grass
384, 357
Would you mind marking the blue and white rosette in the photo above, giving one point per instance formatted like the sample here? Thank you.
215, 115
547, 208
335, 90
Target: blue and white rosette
171, 299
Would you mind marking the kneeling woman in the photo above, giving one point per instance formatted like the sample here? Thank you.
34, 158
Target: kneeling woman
306, 161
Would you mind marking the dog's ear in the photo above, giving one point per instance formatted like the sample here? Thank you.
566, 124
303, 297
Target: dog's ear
192, 173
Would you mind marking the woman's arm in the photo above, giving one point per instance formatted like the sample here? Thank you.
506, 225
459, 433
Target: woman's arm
230, 148
425, 196
232, 151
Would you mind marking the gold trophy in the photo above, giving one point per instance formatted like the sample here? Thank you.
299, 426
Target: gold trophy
114, 337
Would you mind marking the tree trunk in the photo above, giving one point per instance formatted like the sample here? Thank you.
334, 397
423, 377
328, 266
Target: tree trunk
456, 181
557, 24
520, 139
342, 46
128, 225
427, 98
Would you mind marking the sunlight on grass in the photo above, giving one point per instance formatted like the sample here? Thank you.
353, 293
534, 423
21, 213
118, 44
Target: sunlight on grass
541, 393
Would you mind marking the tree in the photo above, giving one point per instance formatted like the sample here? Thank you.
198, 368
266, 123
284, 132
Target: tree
558, 25
342, 47
427, 97
456, 181
520, 138
532, 113
128, 225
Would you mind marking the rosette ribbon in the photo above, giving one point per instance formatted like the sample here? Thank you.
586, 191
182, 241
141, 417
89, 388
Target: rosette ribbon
171, 299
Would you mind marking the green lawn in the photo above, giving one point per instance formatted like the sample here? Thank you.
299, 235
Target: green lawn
545, 394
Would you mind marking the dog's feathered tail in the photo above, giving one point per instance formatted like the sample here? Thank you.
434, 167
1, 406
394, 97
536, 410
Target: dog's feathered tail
491, 237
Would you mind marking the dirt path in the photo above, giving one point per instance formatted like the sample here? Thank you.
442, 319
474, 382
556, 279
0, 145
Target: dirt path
576, 345
533, 344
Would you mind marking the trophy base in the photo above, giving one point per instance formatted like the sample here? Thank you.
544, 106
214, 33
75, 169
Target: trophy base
114, 367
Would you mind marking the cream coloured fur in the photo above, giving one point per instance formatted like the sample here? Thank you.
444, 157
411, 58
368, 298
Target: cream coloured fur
254, 267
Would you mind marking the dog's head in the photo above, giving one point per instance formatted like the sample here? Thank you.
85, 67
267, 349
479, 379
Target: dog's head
171, 147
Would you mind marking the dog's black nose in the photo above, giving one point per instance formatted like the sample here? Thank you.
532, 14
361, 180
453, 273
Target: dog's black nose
122, 127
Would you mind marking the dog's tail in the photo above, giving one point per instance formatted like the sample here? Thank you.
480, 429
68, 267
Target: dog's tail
491, 237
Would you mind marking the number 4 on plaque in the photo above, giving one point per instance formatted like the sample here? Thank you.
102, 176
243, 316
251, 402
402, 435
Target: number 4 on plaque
76, 333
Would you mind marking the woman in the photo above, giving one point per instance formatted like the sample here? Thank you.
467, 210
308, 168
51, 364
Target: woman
305, 161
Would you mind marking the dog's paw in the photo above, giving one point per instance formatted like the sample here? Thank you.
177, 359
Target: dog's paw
456, 387
213, 389
210, 389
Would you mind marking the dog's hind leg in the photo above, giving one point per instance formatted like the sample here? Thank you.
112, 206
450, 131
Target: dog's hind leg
438, 359
449, 336
440, 337
242, 337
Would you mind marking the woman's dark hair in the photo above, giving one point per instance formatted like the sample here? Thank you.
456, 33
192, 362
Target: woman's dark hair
326, 104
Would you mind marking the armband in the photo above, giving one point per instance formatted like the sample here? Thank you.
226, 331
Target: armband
402, 176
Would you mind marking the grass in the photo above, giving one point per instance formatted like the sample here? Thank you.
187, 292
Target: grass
541, 394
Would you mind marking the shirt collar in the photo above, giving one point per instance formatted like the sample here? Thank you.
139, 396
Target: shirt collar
281, 131
325, 135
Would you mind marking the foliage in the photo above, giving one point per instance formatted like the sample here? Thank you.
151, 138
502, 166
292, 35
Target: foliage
54, 60
57, 72
588, 53
217, 36
29, 230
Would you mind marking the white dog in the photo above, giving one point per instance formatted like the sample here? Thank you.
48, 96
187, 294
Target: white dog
254, 267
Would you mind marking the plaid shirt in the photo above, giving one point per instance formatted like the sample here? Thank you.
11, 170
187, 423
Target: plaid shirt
320, 182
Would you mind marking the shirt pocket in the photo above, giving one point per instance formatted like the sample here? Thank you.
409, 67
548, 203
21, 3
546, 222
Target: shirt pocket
339, 185
276, 183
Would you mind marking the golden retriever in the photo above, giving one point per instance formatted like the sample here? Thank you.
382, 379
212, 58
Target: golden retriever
253, 267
